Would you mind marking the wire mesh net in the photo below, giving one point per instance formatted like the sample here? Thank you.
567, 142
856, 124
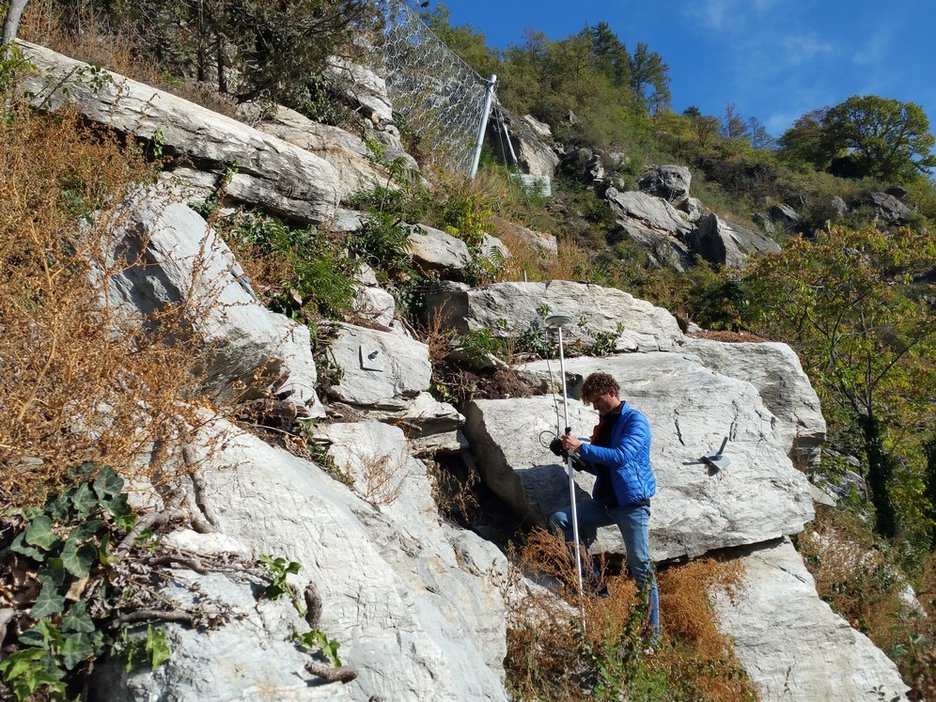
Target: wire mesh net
439, 97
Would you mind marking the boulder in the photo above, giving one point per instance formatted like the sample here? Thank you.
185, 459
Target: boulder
357, 167
649, 212
775, 370
402, 593
784, 218
540, 129
889, 208
372, 303
668, 182
435, 251
270, 172
790, 642
722, 244
164, 254
510, 309
759, 495
361, 88
380, 369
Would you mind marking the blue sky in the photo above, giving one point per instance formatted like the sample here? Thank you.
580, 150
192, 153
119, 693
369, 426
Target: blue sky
774, 59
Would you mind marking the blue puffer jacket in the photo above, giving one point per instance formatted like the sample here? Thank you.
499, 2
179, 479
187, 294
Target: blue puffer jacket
627, 461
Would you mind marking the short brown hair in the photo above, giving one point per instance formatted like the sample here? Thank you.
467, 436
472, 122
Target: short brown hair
598, 384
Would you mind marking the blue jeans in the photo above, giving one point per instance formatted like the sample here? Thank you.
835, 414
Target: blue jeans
634, 523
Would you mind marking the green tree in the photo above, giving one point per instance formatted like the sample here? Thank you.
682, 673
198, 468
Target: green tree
847, 303
805, 141
650, 78
471, 46
883, 137
610, 54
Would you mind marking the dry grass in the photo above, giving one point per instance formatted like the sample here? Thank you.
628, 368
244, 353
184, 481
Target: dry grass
549, 658
78, 382
854, 574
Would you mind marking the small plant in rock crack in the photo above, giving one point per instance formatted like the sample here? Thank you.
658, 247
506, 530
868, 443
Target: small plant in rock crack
278, 569
317, 640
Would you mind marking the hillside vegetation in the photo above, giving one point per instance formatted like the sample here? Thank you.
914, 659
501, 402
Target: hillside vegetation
853, 296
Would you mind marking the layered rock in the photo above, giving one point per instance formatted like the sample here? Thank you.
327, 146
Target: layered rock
758, 496
791, 643
402, 593
268, 171
774, 369
164, 254
509, 309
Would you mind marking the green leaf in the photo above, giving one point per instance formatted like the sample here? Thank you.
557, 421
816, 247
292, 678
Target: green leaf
44, 635
78, 559
84, 500
77, 647
108, 483
77, 619
19, 662
19, 546
58, 507
53, 573
48, 603
39, 533
82, 469
85, 530
157, 646
117, 506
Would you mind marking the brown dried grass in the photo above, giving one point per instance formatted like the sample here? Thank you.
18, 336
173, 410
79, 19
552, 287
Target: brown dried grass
694, 661
77, 382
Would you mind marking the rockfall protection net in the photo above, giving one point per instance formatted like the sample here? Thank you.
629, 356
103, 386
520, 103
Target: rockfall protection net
439, 97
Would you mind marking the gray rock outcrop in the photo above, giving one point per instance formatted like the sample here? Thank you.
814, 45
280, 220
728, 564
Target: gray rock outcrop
270, 172
775, 370
509, 309
722, 244
165, 254
414, 603
668, 182
791, 643
759, 496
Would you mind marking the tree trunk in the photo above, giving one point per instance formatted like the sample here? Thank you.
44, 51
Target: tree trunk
880, 471
12, 20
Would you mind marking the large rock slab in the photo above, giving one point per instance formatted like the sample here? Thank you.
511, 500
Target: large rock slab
758, 496
671, 182
510, 309
791, 643
411, 622
381, 369
269, 172
722, 244
775, 370
358, 171
649, 211
165, 254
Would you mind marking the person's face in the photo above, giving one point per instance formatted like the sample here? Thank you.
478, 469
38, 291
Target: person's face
604, 403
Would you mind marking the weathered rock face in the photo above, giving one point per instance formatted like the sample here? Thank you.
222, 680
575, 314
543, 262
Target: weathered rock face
357, 169
362, 88
668, 182
654, 224
526, 305
402, 593
436, 251
165, 254
285, 179
790, 642
889, 208
380, 369
724, 245
758, 496
533, 155
775, 371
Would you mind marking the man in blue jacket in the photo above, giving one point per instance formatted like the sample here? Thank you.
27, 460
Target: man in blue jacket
619, 455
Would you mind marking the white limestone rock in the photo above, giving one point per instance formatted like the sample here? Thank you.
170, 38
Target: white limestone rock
791, 643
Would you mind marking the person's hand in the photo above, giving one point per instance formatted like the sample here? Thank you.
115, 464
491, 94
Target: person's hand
556, 446
570, 443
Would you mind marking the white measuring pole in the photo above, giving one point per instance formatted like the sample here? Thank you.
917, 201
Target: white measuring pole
482, 128
575, 526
